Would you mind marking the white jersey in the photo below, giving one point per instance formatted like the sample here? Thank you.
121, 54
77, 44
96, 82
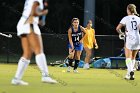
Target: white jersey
28, 8
23, 28
132, 23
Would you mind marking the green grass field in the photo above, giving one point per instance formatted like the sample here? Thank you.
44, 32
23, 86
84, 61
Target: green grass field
86, 81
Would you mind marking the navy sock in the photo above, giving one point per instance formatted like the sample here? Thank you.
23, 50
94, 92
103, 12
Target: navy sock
70, 62
76, 64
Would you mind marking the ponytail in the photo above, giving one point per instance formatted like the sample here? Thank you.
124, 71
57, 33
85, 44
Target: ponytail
132, 9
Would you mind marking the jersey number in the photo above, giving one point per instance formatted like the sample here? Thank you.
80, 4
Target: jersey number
77, 38
134, 25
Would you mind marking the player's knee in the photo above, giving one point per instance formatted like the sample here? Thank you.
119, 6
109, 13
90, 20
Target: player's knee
77, 57
27, 55
88, 54
38, 50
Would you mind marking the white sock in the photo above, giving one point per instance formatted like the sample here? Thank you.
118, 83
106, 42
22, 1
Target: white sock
129, 65
133, 63
42, 64
22, 65
87, 63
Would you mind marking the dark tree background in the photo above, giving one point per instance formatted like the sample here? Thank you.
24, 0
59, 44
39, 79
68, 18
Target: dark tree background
108, 14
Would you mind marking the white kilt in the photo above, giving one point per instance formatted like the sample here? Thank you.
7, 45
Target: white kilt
133, 42
23, 28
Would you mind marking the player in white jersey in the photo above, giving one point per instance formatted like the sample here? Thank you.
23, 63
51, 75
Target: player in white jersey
132, 44
31, 41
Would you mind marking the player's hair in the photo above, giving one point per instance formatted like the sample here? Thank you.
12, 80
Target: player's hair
132, 9
74, 20
89, 21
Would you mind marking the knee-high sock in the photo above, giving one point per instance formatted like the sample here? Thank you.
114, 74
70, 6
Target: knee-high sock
76, 64
129, 65
70, 62
42, 64
133, 63
22, 65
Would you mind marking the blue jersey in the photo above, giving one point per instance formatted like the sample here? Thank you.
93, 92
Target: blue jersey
76, 36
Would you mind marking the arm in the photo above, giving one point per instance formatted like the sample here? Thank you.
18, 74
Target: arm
121, 24
70, 38
84, 31
95, 42
96, 45
121, 34
42, 20
118, 28
36, 11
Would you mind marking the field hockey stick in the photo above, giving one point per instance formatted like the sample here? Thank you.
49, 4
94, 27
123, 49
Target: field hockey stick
68, 56
65, 60
5, 35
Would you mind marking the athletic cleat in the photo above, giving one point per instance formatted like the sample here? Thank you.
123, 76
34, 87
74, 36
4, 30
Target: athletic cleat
19, 82
132, 75
134, 69
127, 77
75, 71
68, 70
86, 66
48, 80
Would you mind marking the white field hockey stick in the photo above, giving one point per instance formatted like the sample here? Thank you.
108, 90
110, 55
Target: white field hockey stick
5, 35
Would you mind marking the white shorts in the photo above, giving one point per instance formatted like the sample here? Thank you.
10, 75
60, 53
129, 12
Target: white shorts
133, 43
23, 28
